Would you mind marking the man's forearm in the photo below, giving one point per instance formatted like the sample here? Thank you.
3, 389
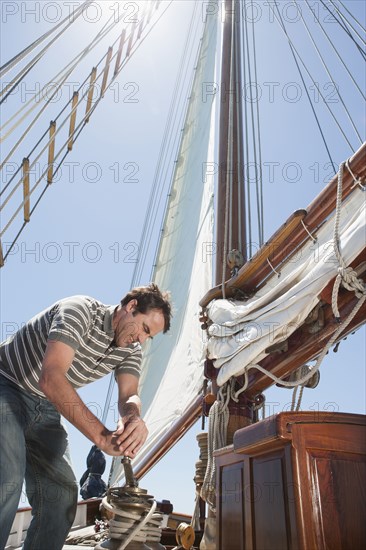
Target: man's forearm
130, 406
59, 391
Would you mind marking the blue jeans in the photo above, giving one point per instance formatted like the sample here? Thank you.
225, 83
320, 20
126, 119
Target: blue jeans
34, 447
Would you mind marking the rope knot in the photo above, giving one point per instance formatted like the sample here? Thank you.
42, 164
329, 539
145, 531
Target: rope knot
342, 271
350, 281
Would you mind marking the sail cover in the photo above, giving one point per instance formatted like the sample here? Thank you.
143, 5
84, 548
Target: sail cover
240, 332
172, 372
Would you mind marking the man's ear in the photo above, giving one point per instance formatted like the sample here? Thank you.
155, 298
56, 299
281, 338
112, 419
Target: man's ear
131, 306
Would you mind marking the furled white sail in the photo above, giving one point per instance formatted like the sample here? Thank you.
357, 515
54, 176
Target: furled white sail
241, 332
172, 373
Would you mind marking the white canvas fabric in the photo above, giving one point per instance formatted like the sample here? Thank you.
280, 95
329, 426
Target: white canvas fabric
241, 331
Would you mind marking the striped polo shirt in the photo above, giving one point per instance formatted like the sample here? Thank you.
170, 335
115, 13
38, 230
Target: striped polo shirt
81, 322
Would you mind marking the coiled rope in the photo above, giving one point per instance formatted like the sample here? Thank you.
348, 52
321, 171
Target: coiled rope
217, 430
119, 529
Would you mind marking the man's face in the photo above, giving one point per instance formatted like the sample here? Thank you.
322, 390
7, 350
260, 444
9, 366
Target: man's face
139, 327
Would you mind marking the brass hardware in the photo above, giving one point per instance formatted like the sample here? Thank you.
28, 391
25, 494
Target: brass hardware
235, 260
185, 535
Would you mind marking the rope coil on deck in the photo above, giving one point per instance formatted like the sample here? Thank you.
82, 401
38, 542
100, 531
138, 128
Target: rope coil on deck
131, 526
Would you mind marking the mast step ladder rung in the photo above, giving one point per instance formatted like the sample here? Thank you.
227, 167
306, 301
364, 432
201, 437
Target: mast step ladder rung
75, 99
26, 198
51, 151
93, 77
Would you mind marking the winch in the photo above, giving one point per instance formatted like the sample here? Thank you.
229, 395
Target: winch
135, 525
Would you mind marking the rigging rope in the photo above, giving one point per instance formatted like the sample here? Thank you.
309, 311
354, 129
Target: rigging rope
296, 406
7, 90
76, 132
21, 55
246, 171
328, 72
169, 146
261, 207
78, 58
59, 81
346, 275
279, 18
347, 10
347, 22
345, 29
280, 22
254, 139
239, 146
335, 49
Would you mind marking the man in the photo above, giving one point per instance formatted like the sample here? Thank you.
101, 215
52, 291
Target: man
70, 344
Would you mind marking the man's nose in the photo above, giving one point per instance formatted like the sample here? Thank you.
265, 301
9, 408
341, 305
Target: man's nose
142, 337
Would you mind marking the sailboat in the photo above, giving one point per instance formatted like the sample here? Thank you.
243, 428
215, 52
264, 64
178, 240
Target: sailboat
62, 249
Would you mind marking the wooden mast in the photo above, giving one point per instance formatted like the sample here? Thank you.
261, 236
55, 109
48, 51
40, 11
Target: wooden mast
231, 222
230, 213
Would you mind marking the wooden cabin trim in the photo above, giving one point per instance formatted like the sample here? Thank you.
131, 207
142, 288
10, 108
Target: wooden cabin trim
294, 480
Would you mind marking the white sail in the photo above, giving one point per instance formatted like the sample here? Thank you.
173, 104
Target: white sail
172, 374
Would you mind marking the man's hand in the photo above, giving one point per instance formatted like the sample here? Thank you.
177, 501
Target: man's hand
131, 434
109, 444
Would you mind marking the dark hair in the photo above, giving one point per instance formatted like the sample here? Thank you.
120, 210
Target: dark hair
150, 297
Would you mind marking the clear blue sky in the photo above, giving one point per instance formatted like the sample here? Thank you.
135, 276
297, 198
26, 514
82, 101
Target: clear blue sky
86, 231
